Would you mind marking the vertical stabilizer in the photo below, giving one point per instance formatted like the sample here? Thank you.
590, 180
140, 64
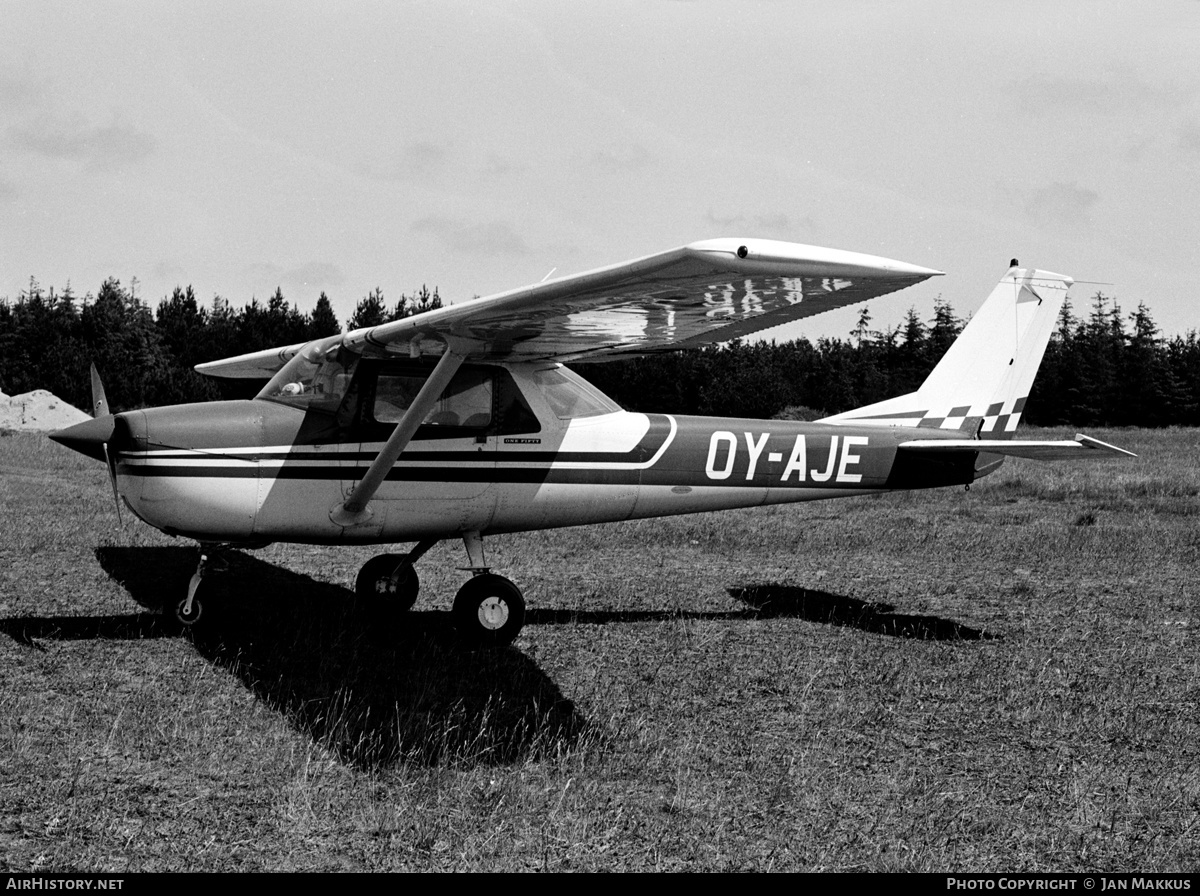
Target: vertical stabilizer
982, 382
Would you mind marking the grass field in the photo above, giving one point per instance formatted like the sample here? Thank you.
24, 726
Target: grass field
1005, 679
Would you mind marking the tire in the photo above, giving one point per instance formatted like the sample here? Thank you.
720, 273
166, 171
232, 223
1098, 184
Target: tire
489, 611
188, 620
387, 581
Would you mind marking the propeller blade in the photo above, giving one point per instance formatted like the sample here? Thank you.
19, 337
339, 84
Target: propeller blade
112, 478
99, 399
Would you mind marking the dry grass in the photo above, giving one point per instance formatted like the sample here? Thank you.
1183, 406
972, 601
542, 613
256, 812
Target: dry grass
1006, 679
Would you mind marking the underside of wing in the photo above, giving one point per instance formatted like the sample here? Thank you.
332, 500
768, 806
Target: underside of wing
699, 294
252, 365
1066, 449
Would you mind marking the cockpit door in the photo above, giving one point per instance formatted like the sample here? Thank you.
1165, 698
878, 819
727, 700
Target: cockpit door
443, 480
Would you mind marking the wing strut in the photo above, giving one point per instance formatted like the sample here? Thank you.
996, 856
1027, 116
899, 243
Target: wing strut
354, 510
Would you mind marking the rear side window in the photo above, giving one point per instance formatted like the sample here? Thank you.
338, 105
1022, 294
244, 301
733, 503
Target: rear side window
570, 395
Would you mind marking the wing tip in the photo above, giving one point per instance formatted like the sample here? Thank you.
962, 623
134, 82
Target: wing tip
809, 259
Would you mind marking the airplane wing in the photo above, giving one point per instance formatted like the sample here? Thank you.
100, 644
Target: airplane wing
253, 365
1066, 449
700, 294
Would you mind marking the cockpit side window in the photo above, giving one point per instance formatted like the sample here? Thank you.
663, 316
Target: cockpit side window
467, 401
479, 401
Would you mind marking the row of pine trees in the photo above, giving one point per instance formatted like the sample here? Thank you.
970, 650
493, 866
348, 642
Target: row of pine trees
1106, 368
48, 339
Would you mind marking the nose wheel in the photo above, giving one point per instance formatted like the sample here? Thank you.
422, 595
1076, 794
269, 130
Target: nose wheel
489, 610
190, 610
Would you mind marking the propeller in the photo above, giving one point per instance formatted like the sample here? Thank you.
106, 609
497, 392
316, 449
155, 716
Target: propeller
99, 437
99, 410
111, 461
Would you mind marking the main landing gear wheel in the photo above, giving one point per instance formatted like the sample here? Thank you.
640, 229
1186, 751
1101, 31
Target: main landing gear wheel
389, 581
489, 610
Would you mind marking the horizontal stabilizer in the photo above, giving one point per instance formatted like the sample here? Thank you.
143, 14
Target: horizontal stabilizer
1067, 449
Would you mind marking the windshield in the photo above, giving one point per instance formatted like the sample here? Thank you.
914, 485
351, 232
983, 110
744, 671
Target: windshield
316, 377
570, 395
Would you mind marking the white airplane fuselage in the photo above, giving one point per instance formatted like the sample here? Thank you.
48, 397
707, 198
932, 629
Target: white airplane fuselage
261, 471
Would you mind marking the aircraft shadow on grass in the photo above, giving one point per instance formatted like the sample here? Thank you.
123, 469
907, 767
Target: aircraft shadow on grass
377, 690
790, 601
128, 627
373, 690
837, 609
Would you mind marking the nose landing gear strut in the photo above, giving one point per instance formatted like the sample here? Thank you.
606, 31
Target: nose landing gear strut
191, 608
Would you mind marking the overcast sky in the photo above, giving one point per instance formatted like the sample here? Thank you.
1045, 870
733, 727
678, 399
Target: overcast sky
477, 146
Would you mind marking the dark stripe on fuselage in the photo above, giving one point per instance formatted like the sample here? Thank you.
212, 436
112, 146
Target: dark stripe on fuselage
649, 445
706, 452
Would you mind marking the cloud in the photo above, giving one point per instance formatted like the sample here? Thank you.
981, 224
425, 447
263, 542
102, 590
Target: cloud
768, 224
1060, 203
303, 281
499, 166
623, 158
490, 238
319, 273
1189, 138
725, 220
413, 162
169, 270
773, 223
420, 159
107, 147
16, 92
1108, 94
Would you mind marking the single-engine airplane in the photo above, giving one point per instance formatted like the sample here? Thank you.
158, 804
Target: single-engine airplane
462, 422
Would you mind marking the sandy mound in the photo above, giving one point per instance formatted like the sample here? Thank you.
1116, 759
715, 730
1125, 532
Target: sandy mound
38, 411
